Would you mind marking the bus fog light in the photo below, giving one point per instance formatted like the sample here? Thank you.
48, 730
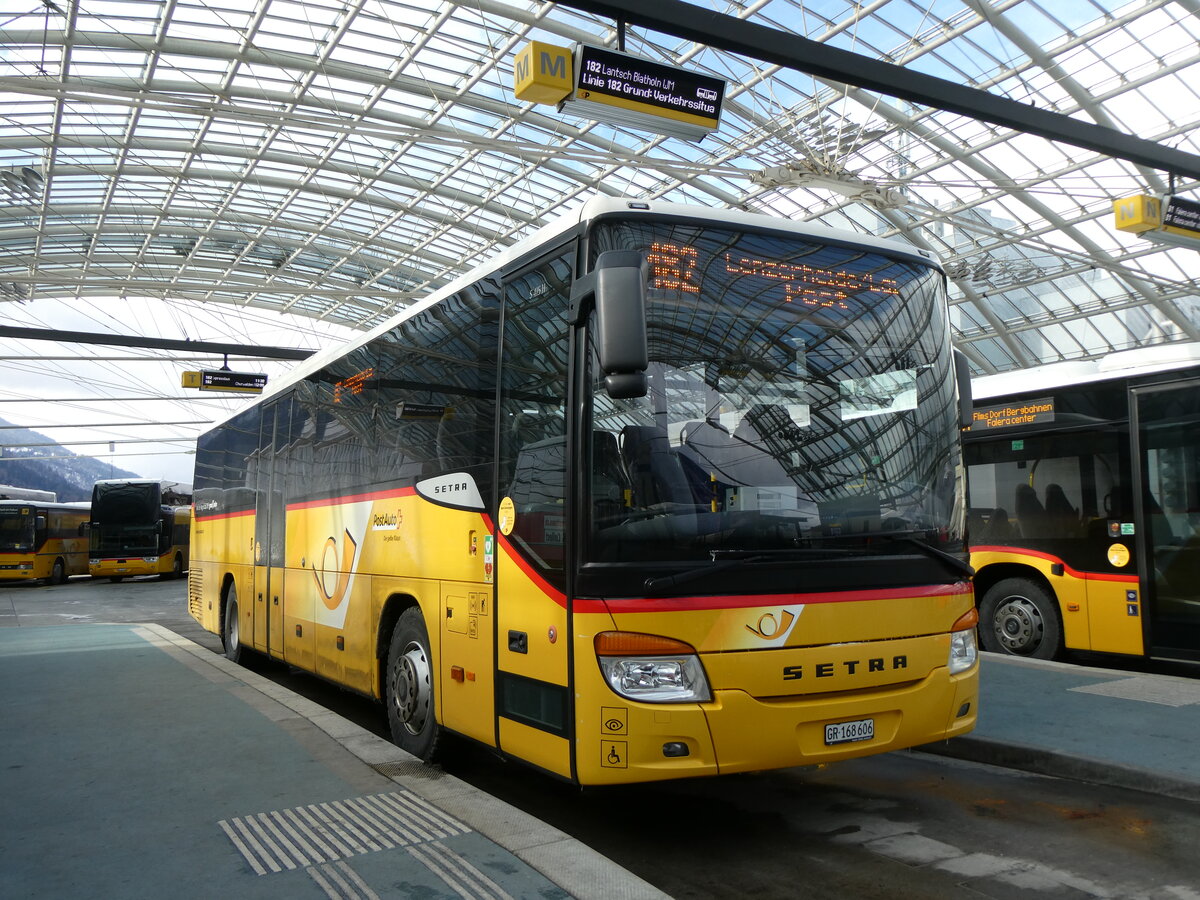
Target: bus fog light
673, 749
963, 652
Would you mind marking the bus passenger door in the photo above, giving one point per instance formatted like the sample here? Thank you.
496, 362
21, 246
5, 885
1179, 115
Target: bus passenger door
532, 677
269, 530
1167, 419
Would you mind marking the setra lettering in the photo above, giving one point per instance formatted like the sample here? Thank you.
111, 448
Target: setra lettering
851, 666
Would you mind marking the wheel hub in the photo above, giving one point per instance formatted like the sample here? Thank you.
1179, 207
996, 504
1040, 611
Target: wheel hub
1019, 626
411, 689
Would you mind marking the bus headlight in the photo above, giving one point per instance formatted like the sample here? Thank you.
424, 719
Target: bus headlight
963, 651
651, 669
150, 559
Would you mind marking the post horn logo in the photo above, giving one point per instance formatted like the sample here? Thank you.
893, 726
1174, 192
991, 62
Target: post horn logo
769, 628
340, 573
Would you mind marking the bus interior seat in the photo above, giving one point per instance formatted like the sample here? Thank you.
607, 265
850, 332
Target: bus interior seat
610, 481
994, 526
1031, 515
655, 474
1062, 519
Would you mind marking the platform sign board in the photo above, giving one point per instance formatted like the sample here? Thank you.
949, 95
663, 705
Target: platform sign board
225, 380
1167, 219
1182, 217
628, 90
611, 86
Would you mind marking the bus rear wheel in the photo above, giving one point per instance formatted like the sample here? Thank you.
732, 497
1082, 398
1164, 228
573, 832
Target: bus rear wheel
409, 687
231, 632
1020, 617
58, 574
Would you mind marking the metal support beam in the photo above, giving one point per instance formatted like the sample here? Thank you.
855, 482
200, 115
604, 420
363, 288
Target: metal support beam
124, 340
734, 35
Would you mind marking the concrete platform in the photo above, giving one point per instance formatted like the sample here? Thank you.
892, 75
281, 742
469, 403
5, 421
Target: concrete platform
1103, 726
135, 763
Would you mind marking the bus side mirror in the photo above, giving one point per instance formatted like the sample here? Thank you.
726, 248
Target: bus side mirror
39, 523
617, 287
962, 374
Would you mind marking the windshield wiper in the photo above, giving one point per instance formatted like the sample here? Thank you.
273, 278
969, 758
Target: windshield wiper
665, 581
736, 558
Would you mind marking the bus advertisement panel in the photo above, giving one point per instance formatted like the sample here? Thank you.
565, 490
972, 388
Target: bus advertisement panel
1084, 483
140, 526
47, 541
663, 492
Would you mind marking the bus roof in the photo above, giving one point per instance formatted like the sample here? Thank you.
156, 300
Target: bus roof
1122, 364
594, 208
73, 506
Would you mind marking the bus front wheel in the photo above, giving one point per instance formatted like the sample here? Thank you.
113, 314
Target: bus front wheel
58, 574
1020, 617
409, 687
231, 635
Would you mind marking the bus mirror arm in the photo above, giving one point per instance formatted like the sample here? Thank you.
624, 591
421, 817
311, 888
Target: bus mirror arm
962, 373
617, 288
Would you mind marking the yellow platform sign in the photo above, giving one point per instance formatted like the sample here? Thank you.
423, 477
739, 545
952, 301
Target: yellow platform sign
1167, 219
543, 73
1138, 213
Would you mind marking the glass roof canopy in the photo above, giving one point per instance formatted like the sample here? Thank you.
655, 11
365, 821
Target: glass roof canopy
335, 159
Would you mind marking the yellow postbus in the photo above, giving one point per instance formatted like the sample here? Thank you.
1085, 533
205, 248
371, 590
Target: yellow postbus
661, 492
140, 526
43, 540
1084, 522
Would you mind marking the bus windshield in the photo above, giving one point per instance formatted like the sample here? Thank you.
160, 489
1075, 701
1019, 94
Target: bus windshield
16, 529
801, 400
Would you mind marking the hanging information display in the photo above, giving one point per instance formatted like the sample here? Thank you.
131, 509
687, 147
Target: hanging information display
620, 88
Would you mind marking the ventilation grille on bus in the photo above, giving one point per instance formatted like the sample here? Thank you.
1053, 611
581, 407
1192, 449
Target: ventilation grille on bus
195, 593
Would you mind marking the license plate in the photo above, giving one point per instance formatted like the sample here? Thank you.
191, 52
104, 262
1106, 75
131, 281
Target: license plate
847, 732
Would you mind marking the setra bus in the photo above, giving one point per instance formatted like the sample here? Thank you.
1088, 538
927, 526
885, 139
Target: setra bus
1084, 483
140, 526
43, 540
660, 492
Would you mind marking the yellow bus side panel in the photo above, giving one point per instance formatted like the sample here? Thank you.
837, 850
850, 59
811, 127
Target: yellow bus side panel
465, 684
535, 746
526, 606
1095, 614
1113, 628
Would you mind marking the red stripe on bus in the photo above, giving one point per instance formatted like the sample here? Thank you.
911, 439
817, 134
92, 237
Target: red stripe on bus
1051, 558
226, 515
745, 601
544, 586
355, 498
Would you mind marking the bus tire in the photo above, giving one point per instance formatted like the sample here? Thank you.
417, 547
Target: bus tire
409, 687
1020, 617
231, 631
176, 569
58, 574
